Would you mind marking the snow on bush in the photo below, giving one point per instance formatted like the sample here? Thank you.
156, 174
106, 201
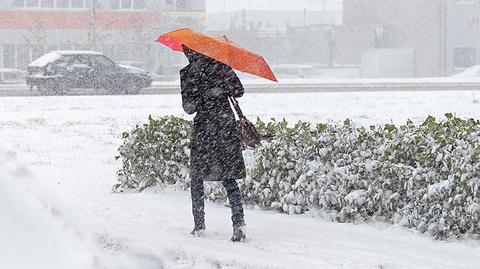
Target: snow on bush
422, 176
154, 153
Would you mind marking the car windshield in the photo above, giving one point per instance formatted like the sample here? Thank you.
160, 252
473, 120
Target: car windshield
45, 59
102, 61
74, 59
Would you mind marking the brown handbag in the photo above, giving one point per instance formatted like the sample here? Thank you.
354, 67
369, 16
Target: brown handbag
247, 131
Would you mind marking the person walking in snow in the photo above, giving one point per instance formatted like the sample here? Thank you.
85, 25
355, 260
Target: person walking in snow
216, 150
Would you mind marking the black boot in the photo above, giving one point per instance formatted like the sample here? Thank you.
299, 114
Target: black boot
239, 233
198, 207
198, 231
233, 194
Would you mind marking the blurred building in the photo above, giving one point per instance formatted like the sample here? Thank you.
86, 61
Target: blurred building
384, 32
421, 38
281, 36
122, 29
274, 19
462, 35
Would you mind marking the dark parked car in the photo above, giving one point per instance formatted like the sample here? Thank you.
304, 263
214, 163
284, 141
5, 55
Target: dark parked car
59, 71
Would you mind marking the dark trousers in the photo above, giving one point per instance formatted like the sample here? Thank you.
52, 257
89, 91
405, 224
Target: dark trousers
198, 202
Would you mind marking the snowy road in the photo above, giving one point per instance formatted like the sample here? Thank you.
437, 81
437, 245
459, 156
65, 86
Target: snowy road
295, 86
69, 143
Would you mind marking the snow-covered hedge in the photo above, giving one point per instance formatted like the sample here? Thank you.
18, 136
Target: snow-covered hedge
426, 177
154, 153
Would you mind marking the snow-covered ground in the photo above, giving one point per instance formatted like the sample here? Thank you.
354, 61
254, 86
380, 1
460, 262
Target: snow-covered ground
250, 80
69, 143
359, 82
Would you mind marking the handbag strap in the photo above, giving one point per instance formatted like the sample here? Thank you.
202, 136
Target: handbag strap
236, 106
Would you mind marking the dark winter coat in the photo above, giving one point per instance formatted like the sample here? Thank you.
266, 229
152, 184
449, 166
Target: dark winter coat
216, 152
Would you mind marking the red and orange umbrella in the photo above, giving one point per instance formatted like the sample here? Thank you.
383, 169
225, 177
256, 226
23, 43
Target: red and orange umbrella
220, 49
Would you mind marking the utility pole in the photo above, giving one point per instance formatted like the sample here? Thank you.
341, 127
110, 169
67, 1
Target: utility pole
270, 12
93, 24
331, 46
304, 17
443, 37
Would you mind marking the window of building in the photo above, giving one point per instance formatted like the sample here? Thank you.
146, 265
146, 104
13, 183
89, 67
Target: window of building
47, 3
23, 56
168, 2
128, 4
63, 3
181, 4
139, 4
115, 4
78, 4
31, 3
464, 57
18, 3
15, 56
12, 76
9, 56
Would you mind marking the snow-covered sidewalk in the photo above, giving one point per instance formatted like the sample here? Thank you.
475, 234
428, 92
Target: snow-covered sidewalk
159, 224
70, 142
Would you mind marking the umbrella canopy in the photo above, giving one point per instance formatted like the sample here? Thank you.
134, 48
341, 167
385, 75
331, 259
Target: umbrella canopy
220, 49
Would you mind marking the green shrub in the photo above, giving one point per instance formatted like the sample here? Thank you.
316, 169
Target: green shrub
426, 177
155, 153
